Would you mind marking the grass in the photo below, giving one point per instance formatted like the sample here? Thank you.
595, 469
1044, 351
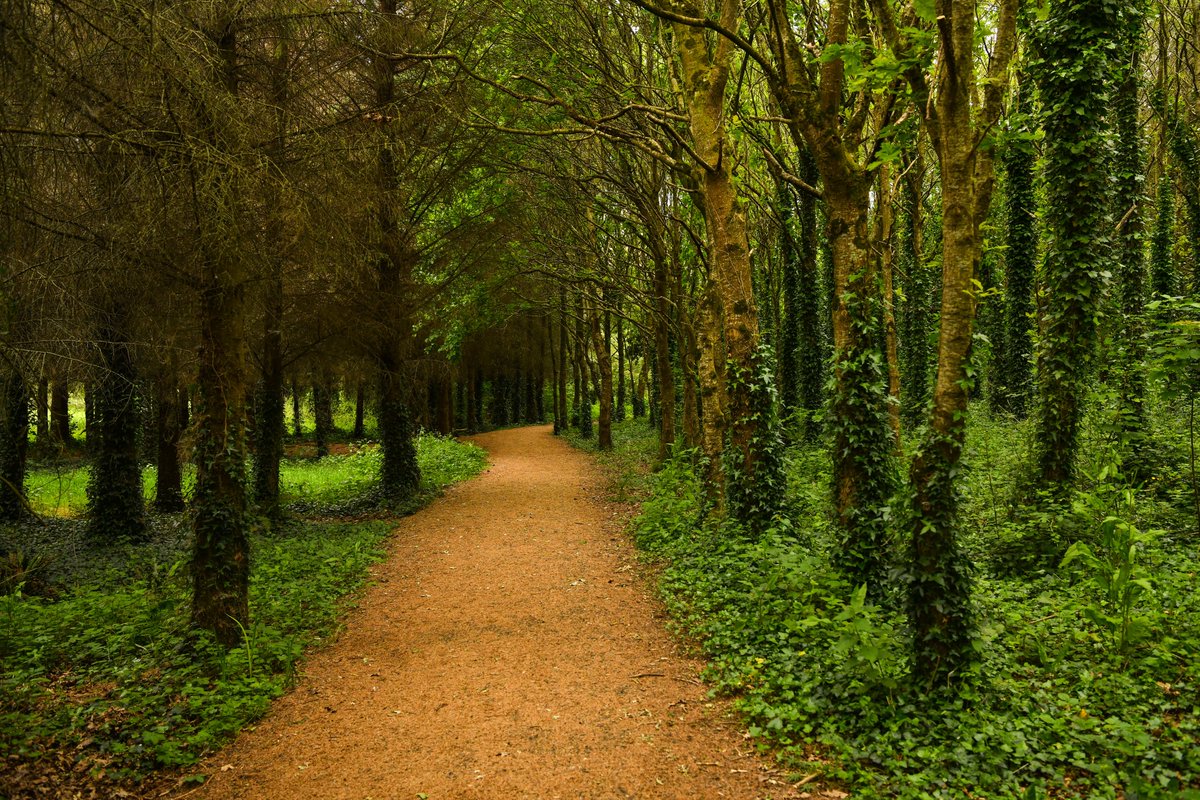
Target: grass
61, 491
1057, 707
105, 683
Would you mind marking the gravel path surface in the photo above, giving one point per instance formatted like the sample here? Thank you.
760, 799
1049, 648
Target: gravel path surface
508, 649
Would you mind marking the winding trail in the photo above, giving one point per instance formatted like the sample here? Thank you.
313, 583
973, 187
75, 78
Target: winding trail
508, 649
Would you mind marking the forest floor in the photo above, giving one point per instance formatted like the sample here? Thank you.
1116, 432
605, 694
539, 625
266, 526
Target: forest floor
510, 647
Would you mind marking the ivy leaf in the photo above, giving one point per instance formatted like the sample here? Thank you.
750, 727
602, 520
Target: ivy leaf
925, 9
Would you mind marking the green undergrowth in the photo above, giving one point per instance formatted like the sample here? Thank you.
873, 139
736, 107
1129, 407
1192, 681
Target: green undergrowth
1089, 681
105, 678
628, 463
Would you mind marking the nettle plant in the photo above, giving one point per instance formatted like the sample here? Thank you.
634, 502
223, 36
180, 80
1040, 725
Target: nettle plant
1111, 564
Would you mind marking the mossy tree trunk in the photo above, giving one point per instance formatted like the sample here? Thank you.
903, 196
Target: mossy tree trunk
705, 74
963, 111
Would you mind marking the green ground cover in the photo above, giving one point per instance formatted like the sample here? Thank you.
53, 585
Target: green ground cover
103, 675
1089, 677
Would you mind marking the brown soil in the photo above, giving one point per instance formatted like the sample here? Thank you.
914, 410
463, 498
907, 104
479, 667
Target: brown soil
508, 649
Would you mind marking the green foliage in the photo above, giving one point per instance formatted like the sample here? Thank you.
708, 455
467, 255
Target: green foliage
1075, 47
1013, 378
862, 445
820, 672
113, 671
755, 497
1114, 571
1162, 269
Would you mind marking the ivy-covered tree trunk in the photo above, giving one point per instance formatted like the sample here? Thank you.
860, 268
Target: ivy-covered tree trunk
705, 73
811, 357
915, 318
863, 472
887, 271
1014, 370
793, 297
1162, 267
939, 604
116, 509
168, 480
1073, 76
221, 553
1130, 250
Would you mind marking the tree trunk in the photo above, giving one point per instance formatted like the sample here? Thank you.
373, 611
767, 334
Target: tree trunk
604, 360
297, 420
479, 385
221, 549
939, 590
168, 482
664, 375
116, 509
619, 406
270, 426
887, 270
445, 417
43, 410
14, 442
360, 411
60, 413
704, 79
399, 473
322, 415
1074, 82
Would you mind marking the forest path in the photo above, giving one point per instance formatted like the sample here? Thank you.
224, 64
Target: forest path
507, 650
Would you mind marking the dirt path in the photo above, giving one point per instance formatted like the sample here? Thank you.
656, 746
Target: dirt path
508, 650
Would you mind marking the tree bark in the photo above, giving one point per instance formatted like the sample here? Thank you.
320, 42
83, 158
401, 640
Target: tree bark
168, 483
116, 509
60, 413
604, 360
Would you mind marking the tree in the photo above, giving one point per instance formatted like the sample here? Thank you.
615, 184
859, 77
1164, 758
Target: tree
1072, 71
